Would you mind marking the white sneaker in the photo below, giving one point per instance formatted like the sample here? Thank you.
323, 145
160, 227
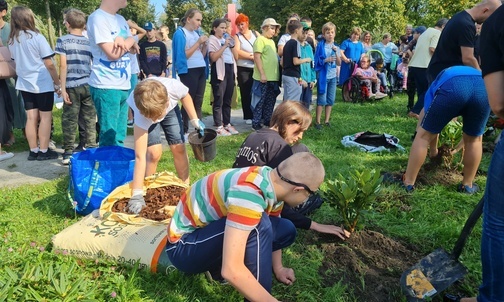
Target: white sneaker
372, 96
380, 95
222, 132
6, 155
248, 122
52, 145
229, 128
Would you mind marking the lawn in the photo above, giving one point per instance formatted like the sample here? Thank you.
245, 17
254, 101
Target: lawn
429, 218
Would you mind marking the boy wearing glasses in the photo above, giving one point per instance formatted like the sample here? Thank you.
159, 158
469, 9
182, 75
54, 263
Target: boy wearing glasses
228, 223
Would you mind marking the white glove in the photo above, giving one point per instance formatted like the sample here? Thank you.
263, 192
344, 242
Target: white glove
198, 125
136, 202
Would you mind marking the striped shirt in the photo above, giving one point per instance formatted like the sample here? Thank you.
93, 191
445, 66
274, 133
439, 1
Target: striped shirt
241, 195
78, 58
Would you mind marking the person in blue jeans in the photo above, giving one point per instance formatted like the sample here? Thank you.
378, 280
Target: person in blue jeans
457, 91
326, 60
492, 240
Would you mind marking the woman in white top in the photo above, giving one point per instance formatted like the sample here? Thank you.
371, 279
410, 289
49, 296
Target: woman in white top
244, 56
222, 77
37, 80
189, 52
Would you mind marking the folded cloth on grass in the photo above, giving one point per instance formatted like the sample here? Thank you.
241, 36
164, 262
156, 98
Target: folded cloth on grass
372, 142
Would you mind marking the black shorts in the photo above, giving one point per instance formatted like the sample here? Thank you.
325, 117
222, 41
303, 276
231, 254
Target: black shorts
42, 101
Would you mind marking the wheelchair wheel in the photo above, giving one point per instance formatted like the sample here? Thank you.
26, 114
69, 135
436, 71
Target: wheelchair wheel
351, 90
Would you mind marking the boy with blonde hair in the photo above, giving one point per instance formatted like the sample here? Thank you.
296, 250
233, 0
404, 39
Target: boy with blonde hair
75, 68
326, 60
155, 106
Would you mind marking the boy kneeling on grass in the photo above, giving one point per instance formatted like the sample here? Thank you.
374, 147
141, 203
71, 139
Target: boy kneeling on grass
228, 223
155, 106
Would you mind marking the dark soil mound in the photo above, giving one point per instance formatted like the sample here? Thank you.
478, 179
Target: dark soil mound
156, 200
369, 263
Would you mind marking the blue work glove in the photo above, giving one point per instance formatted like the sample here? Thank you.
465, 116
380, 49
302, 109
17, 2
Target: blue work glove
136, 202
198, 124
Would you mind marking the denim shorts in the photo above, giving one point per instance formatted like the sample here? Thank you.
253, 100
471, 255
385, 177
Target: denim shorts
172, 127
459, 96
327, 99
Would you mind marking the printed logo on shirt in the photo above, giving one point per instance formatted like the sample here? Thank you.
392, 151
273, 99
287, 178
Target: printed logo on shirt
117, 65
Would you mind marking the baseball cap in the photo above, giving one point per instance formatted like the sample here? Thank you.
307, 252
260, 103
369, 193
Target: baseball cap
270, 21
149, 26
305, 26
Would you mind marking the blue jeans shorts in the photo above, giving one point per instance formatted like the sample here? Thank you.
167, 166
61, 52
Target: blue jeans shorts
327, 99
459, 96
172, 127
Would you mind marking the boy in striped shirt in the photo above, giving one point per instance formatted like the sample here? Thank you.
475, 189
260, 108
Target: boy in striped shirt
229, 223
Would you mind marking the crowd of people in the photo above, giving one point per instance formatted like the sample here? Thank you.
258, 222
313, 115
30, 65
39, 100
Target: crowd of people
234, 223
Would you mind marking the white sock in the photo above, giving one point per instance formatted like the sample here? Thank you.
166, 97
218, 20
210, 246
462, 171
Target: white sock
35, 150
43, 150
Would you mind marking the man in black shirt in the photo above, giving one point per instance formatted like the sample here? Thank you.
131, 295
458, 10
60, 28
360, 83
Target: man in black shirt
492, 240
456, 43
152, 54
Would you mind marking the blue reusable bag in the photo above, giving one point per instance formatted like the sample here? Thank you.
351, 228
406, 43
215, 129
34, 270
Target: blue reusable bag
95, 173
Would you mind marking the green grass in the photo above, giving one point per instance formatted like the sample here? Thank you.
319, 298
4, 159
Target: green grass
432, 217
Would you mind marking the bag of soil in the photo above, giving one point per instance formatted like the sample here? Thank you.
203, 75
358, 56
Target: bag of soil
163, 192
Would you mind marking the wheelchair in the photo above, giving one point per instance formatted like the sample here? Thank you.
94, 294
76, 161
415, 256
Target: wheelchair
353, 91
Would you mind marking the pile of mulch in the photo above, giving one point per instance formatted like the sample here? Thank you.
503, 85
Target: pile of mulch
156, 200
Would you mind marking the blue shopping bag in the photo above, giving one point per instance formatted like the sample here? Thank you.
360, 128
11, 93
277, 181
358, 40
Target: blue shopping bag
95, 173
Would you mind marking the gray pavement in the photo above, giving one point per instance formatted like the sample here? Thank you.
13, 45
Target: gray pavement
18, 171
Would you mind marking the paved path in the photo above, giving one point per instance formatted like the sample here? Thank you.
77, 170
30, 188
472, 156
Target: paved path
19, 171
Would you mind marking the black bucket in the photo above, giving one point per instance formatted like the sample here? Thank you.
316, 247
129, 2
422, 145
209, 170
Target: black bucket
204, 148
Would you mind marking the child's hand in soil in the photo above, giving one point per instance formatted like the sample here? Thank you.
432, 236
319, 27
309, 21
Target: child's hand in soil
285, 275
330, 229
136, 204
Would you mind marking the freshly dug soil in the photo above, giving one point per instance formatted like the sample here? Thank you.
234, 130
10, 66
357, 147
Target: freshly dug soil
368, 262
156, 200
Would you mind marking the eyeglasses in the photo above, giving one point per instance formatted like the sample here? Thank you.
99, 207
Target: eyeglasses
310, 192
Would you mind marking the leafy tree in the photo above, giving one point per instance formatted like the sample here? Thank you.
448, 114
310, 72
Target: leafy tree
139, 11
211, 9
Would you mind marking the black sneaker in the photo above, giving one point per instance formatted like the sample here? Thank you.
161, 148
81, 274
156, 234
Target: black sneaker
33, 155
318, 127
79, 148
50, 154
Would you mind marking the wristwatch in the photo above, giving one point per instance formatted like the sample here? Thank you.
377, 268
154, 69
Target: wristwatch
57, 87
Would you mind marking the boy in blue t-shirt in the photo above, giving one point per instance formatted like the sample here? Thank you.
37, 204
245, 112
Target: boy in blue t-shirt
308, 74
75, 68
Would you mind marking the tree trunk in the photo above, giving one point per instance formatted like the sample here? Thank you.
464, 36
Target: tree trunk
49, 24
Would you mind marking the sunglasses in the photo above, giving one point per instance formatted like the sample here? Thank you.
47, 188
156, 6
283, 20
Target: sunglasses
297, 184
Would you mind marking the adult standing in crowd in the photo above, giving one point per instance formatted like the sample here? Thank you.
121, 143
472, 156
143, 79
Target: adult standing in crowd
367, 41
152, 54
244, 55
189, 52
351, 50
387, 48
456, 43
222, 77
6, 106
492, 240
409, 32
110, 40
266, 73
419, 61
